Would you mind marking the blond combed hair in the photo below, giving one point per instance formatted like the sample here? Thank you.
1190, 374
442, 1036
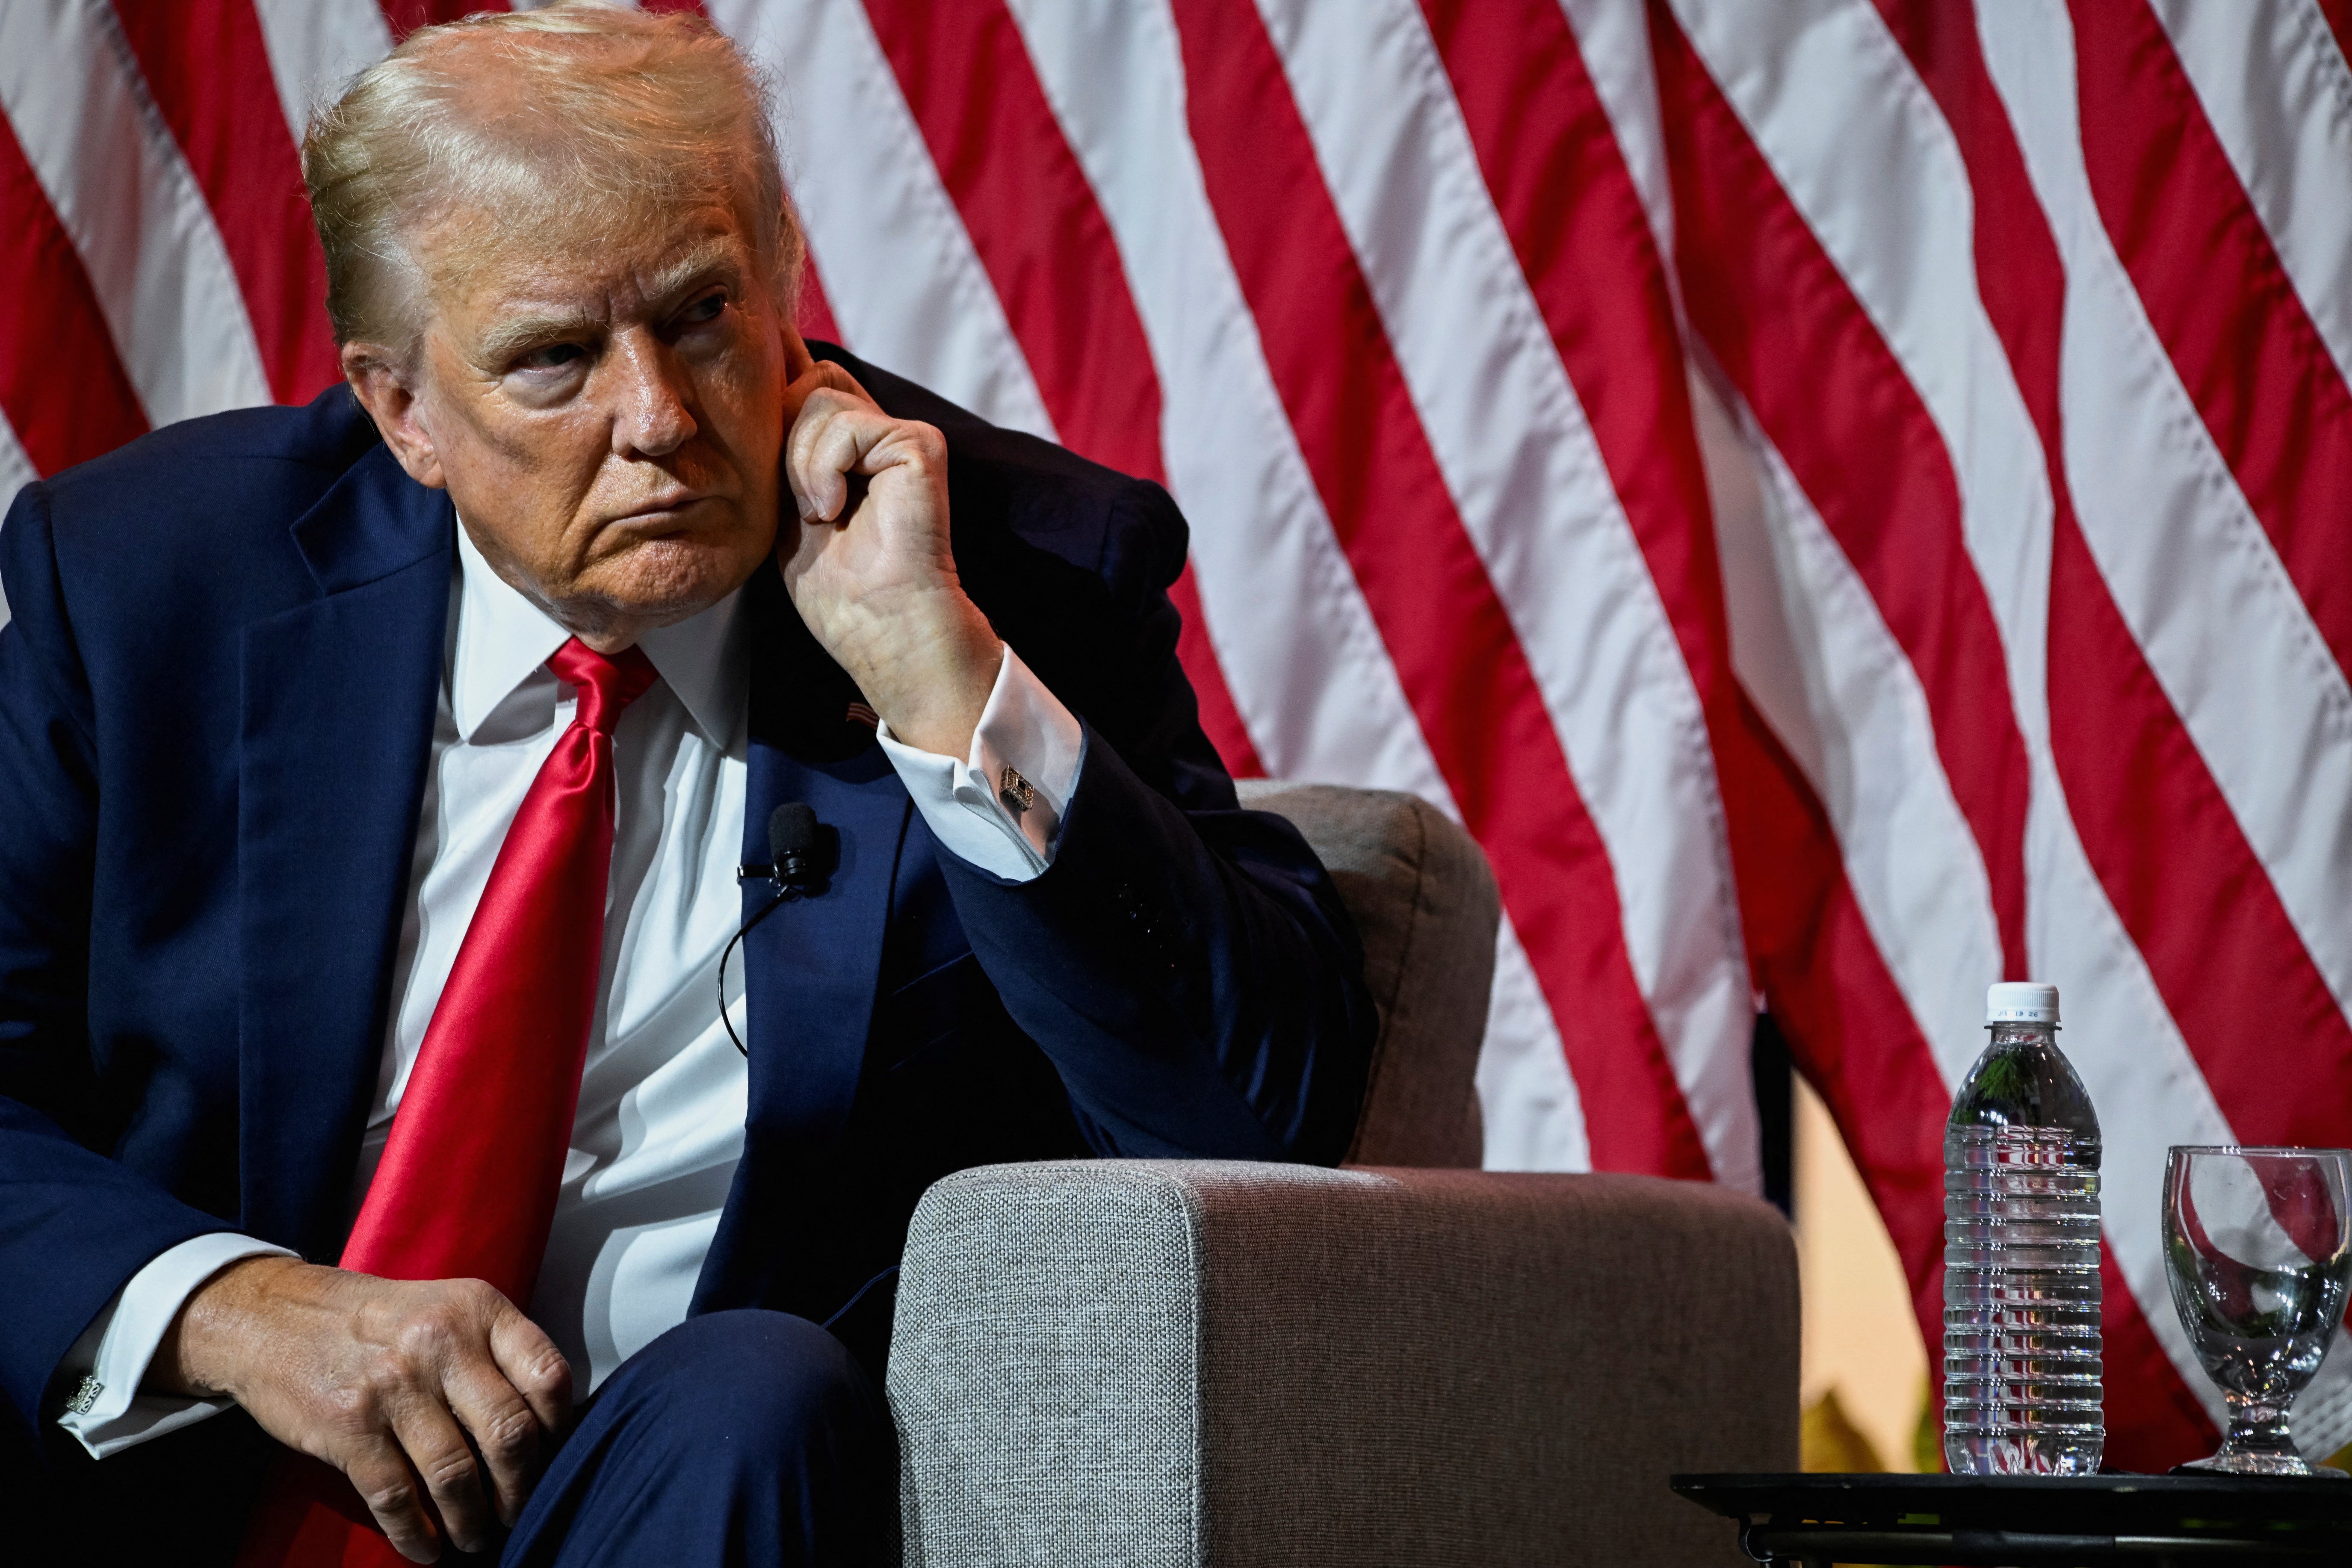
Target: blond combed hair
563, 121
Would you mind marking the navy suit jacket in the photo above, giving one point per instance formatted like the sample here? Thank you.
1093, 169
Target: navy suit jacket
216, 699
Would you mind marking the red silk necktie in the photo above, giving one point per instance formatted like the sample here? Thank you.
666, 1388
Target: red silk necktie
467, 1187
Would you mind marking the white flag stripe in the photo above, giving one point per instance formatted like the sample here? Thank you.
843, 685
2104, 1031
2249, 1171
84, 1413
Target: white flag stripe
16, 470
1534, 1116
2276, 92
900, 269
2230, 641
1535, 498
315, 46
1307, 667
125, 196
1826, 673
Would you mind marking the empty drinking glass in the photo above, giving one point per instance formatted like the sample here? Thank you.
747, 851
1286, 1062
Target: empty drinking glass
2258, 1245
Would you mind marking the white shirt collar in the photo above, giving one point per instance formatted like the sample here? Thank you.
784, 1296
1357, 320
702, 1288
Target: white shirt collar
503, 639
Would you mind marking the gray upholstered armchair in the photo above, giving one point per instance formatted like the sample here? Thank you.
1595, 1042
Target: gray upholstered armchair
1099, 1363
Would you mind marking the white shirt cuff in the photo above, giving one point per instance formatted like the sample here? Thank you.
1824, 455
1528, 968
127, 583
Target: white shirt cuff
1001, 808
105, 1411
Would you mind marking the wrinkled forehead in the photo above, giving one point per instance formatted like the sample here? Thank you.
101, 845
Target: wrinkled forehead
485, 270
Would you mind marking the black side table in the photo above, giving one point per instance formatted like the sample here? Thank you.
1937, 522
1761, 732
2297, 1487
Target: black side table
2032, 1521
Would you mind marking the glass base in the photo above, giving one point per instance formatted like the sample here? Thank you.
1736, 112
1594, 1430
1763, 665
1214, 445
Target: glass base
2229, 1464
2258, 1443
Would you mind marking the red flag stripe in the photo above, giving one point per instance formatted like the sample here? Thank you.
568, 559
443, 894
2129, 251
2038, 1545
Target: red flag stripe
1043, 241
2120, 750
1829, 393
2218, 297
208, 69
816, 317
49, 317
2153, 1421
1447, 634
1221, 716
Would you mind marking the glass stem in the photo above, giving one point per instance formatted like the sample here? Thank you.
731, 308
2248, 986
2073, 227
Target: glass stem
2258, 1426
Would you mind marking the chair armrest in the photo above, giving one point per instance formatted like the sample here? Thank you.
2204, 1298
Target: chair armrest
1146, 1362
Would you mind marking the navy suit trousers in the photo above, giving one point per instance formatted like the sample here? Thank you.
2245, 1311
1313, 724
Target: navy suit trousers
737, 1438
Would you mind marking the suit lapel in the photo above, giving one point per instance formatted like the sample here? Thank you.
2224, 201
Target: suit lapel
339, 697
810, 968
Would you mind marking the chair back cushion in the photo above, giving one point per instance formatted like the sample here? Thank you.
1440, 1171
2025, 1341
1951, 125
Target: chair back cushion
1425, 902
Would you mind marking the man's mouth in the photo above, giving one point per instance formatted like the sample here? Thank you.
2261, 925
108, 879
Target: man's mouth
665, 508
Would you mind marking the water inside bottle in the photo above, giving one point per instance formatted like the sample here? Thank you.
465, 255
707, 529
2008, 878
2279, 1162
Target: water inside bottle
2022, 1348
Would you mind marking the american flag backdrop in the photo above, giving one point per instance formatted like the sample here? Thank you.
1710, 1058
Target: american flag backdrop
1847, 502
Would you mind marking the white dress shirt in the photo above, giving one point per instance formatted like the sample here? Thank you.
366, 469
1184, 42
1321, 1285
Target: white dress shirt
660, 1123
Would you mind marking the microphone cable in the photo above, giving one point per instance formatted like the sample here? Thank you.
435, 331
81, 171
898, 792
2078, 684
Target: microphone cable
792, 850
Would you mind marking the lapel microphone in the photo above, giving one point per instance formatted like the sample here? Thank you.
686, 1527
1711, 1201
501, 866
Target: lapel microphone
792, 849
793, 836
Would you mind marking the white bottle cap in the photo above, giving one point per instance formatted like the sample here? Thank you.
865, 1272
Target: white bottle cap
2021, 1002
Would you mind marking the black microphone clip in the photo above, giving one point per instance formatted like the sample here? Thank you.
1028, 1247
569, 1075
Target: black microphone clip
793, 836
798, 864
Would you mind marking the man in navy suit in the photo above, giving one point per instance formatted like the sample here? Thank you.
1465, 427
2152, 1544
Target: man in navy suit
278, 688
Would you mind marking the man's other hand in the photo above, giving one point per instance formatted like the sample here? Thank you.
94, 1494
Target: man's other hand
398, 1385
868, 562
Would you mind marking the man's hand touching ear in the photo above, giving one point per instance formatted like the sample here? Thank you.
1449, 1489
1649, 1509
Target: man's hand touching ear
868, 565
399, 1385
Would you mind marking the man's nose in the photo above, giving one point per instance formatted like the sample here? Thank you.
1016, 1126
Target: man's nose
651, 415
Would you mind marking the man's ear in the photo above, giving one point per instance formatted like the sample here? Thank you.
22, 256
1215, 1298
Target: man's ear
386, 393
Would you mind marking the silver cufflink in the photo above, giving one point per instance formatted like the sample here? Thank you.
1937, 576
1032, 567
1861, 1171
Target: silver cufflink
86, 1397
1017, 792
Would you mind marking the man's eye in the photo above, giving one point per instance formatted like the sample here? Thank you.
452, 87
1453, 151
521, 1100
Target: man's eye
553, 356
703, 310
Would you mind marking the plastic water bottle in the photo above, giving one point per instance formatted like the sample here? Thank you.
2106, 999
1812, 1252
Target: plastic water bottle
2021, 1254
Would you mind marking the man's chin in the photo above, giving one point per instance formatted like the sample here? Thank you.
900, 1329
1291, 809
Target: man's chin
662, 581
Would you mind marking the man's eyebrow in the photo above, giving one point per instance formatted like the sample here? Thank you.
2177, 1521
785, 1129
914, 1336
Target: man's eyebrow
511, 337
710, 264
707, 264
